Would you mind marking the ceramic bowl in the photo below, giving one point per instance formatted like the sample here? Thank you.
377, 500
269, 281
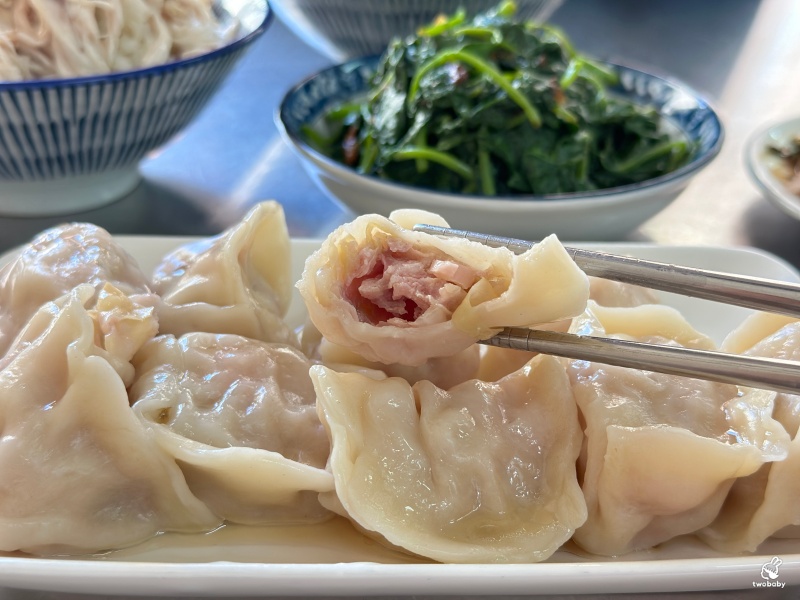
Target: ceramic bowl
598, 215
762, 164
345, 29
74, 144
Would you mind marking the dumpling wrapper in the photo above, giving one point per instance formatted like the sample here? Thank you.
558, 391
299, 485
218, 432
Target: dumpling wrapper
80, 472
238, 282
58, 260
606, 292
766, 503
497, 362
397, 296
482, 473
442, 371
239, 416
660, 453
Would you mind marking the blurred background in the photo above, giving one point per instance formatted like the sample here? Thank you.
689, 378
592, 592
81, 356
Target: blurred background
741, 55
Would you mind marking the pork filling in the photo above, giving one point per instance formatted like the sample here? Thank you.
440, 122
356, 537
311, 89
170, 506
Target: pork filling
398, 284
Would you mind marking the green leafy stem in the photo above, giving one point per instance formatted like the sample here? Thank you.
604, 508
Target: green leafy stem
449, 56
429, 154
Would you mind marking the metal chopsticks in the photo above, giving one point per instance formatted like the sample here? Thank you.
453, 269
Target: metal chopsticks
740, 290
750, 292
753, 371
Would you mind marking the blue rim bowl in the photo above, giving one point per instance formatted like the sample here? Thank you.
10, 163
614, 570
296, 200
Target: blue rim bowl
75, 143
604, 214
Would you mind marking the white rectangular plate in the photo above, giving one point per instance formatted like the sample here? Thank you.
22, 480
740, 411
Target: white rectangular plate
334, 560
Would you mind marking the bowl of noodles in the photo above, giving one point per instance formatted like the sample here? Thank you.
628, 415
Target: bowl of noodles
87, 89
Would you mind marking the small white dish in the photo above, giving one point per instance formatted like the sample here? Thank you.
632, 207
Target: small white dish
761, 164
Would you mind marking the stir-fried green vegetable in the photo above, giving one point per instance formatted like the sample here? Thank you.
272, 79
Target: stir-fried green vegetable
495, 106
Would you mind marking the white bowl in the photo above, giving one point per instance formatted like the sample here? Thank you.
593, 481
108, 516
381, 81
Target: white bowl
74, 144
343, 29
761, 163
598, 215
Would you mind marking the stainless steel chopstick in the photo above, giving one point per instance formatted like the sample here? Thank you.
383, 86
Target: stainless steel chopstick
740, 290
764, 373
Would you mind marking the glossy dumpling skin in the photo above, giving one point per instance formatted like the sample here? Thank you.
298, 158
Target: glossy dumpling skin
497, 362
480, 473
766, 503
442, 371
659, 455
56, 261
394, 295
239, 416
80, 472
606, 292
237, 282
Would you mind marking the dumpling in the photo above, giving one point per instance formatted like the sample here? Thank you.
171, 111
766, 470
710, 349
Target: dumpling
661, 451
497, 362
483, 472
766, 503
80, 472
394, 295
239, 416
237, 282
617, 294
56, 261
442, 371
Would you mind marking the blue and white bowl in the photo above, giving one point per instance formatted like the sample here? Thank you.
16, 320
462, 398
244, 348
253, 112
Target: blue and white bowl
605, 214
74, 144
345, 29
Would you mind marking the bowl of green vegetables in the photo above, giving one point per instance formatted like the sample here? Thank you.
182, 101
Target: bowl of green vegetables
500, 126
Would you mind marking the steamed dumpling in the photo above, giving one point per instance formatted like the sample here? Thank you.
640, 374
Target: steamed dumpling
394, 295
479, 473
497, 362
79, 471
56, 261
766, 503
606, 292
661, 451
237, 282
239, 416
442, 371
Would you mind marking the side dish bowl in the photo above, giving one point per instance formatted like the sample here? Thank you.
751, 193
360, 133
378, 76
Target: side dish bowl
74, 144
597, 215
763, 164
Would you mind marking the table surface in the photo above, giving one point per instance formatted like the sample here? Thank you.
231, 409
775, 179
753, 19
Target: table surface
742, 55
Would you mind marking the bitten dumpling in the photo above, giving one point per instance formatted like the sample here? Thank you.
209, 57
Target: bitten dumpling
239, 416
56, 261
661, 451
766, 503
79, 471
394, 295
483, 472
237, 282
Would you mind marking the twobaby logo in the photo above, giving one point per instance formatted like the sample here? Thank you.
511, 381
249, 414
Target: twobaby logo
769, 575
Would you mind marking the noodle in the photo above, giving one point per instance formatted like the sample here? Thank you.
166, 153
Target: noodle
74, 38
